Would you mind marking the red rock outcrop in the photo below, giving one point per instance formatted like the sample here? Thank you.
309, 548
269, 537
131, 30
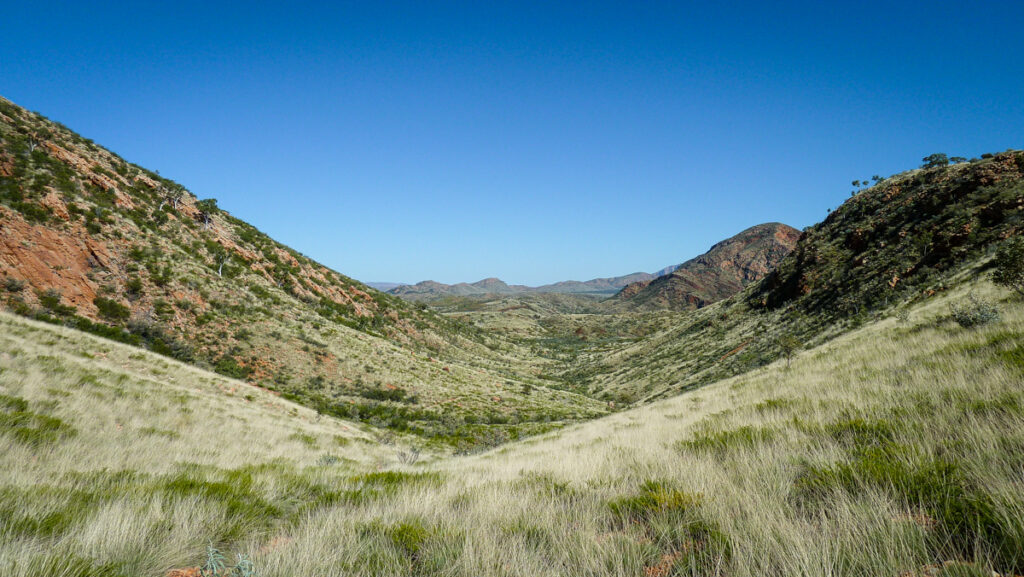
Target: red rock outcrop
721, 272
44, 257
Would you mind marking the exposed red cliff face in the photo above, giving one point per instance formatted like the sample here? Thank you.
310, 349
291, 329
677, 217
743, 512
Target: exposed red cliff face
721, 272
46, 258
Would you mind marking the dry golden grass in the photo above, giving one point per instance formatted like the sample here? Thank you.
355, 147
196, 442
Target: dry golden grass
857, 460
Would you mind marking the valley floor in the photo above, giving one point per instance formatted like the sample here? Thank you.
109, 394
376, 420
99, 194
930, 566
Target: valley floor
887, 451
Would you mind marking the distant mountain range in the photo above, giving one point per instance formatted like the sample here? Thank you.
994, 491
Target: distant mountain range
721, 272
429, 289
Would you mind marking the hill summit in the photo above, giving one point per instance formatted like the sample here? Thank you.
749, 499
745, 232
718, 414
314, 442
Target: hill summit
723, 271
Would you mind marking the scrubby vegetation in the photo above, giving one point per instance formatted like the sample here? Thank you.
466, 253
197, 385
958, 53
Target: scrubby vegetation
885, 451
150, 264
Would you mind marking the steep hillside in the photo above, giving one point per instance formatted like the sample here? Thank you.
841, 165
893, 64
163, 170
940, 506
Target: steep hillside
908, 238
91, 241
895, 239
723, 271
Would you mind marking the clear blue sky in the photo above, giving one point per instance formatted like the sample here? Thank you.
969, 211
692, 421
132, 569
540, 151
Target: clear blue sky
533, 141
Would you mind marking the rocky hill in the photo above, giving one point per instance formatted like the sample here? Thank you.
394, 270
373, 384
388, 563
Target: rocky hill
429, 289
907, 239
92, 241
899, 237
723, 271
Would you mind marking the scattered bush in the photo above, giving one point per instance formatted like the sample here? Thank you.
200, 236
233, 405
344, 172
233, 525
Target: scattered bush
111, 309
975, 311
410, 456
13, 285
789, 345
229, 367
50, 299
133, 286
328, 460
935, 160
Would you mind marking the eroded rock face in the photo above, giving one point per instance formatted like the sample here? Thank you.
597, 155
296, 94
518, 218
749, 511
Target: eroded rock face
721, 272
44, 257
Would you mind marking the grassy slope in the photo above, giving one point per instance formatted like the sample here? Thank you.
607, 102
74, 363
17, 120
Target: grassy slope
891, 447
271, 315
889, 245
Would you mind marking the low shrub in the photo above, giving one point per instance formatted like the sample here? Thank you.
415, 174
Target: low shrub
112, 310
13, 285
975, 311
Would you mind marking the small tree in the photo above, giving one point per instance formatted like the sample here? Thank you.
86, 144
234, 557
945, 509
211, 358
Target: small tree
173, 197
207, 207
789, 345
935, 160
1009, 263
957, 159
221, 257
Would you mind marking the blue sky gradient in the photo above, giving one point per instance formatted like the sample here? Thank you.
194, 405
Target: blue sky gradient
532, 141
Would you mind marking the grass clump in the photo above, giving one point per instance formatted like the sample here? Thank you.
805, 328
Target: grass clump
967, 518
685, 540
306, 439
44, 511
373, 486
1013, 357
655, 498
28, 427
411, 546
720, 442
861, 433
235, 493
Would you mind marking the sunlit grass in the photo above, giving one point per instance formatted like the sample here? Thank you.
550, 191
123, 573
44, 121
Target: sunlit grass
898, 445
